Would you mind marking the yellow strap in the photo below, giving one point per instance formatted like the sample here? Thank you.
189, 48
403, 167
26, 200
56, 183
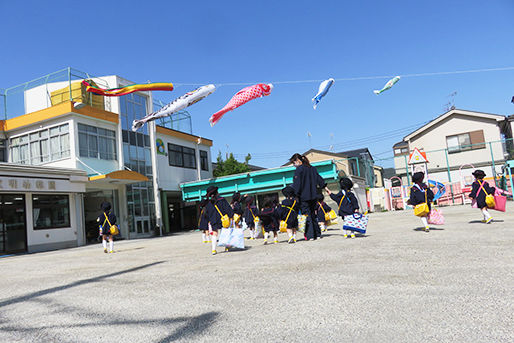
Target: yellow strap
290, 209
482, 187
251, 213
340, 202
323, 208
221, 215
107, 220
200, 219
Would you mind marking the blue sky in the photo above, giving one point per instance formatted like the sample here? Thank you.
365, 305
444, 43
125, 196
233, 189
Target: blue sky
265, 41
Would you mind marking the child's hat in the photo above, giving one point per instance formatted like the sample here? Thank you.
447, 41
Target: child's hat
288, 191
479, 174
211, 190
345, 183
418, 177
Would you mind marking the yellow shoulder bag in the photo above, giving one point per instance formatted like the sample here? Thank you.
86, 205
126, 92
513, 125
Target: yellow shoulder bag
225, 221
422, 209
113, 229
489, 199
283, 223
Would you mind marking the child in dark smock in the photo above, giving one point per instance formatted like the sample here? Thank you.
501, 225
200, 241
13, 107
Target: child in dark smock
346, 201
321, 210
289, 213
216, 207
269, 219
237, 208
250, 214
420, 193
203, 222
105, 220
479, 190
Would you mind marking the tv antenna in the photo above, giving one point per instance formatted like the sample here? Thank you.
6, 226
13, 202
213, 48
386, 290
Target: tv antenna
450, 105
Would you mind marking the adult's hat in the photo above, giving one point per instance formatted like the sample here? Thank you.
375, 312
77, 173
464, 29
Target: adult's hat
479, 174
211, 190
418, 177
288, 191
236, 196
346, 183
105, 206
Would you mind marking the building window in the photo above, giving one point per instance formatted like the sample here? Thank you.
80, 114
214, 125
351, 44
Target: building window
181, 156
50, 211
3, 151
41, 146
96, 142
204, 160
353, 166
401, 151
465, 141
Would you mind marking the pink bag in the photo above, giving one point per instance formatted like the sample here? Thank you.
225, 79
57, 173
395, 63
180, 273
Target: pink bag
500, 201
436, 217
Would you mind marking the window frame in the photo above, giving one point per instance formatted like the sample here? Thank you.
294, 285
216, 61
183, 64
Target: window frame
98, 134
204, 159
67, 196
41, 139
174, 149
464, 147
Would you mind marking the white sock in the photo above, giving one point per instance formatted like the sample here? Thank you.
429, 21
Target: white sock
213, 242
252, 233
486, 213
111, 245
290, 234
322, 226
204, 238
104, 243
424, 221
345, 232
266, 234
294, 235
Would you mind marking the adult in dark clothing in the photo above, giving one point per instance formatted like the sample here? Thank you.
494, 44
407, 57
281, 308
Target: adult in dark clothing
216, 207
346, 201
203, 222
479, 190
105, 221
420, 193
289, 213
269, 217
306, 183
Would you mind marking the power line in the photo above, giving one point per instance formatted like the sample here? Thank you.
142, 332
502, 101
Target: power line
346, 144
357, 78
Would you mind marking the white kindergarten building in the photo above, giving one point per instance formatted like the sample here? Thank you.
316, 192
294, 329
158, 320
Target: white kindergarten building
56, 133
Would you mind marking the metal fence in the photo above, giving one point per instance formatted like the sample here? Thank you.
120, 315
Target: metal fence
46, 91
449, 171
180, 121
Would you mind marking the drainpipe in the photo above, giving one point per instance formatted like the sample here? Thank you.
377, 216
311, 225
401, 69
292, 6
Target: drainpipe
156, 193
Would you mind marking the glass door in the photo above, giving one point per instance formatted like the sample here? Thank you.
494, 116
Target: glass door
13, 229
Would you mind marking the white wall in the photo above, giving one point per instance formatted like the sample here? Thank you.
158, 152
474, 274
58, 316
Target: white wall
171, 177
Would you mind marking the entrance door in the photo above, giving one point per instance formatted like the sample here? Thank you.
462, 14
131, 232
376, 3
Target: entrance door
13, 229
142, 225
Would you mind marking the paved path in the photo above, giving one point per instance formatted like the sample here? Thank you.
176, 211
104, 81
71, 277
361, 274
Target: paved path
398, 284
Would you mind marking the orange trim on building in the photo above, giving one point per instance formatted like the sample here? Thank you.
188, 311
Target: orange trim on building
182, 135
57, 111
2, 125
121, 175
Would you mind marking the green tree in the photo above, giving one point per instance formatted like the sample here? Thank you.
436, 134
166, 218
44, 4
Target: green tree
231, 166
